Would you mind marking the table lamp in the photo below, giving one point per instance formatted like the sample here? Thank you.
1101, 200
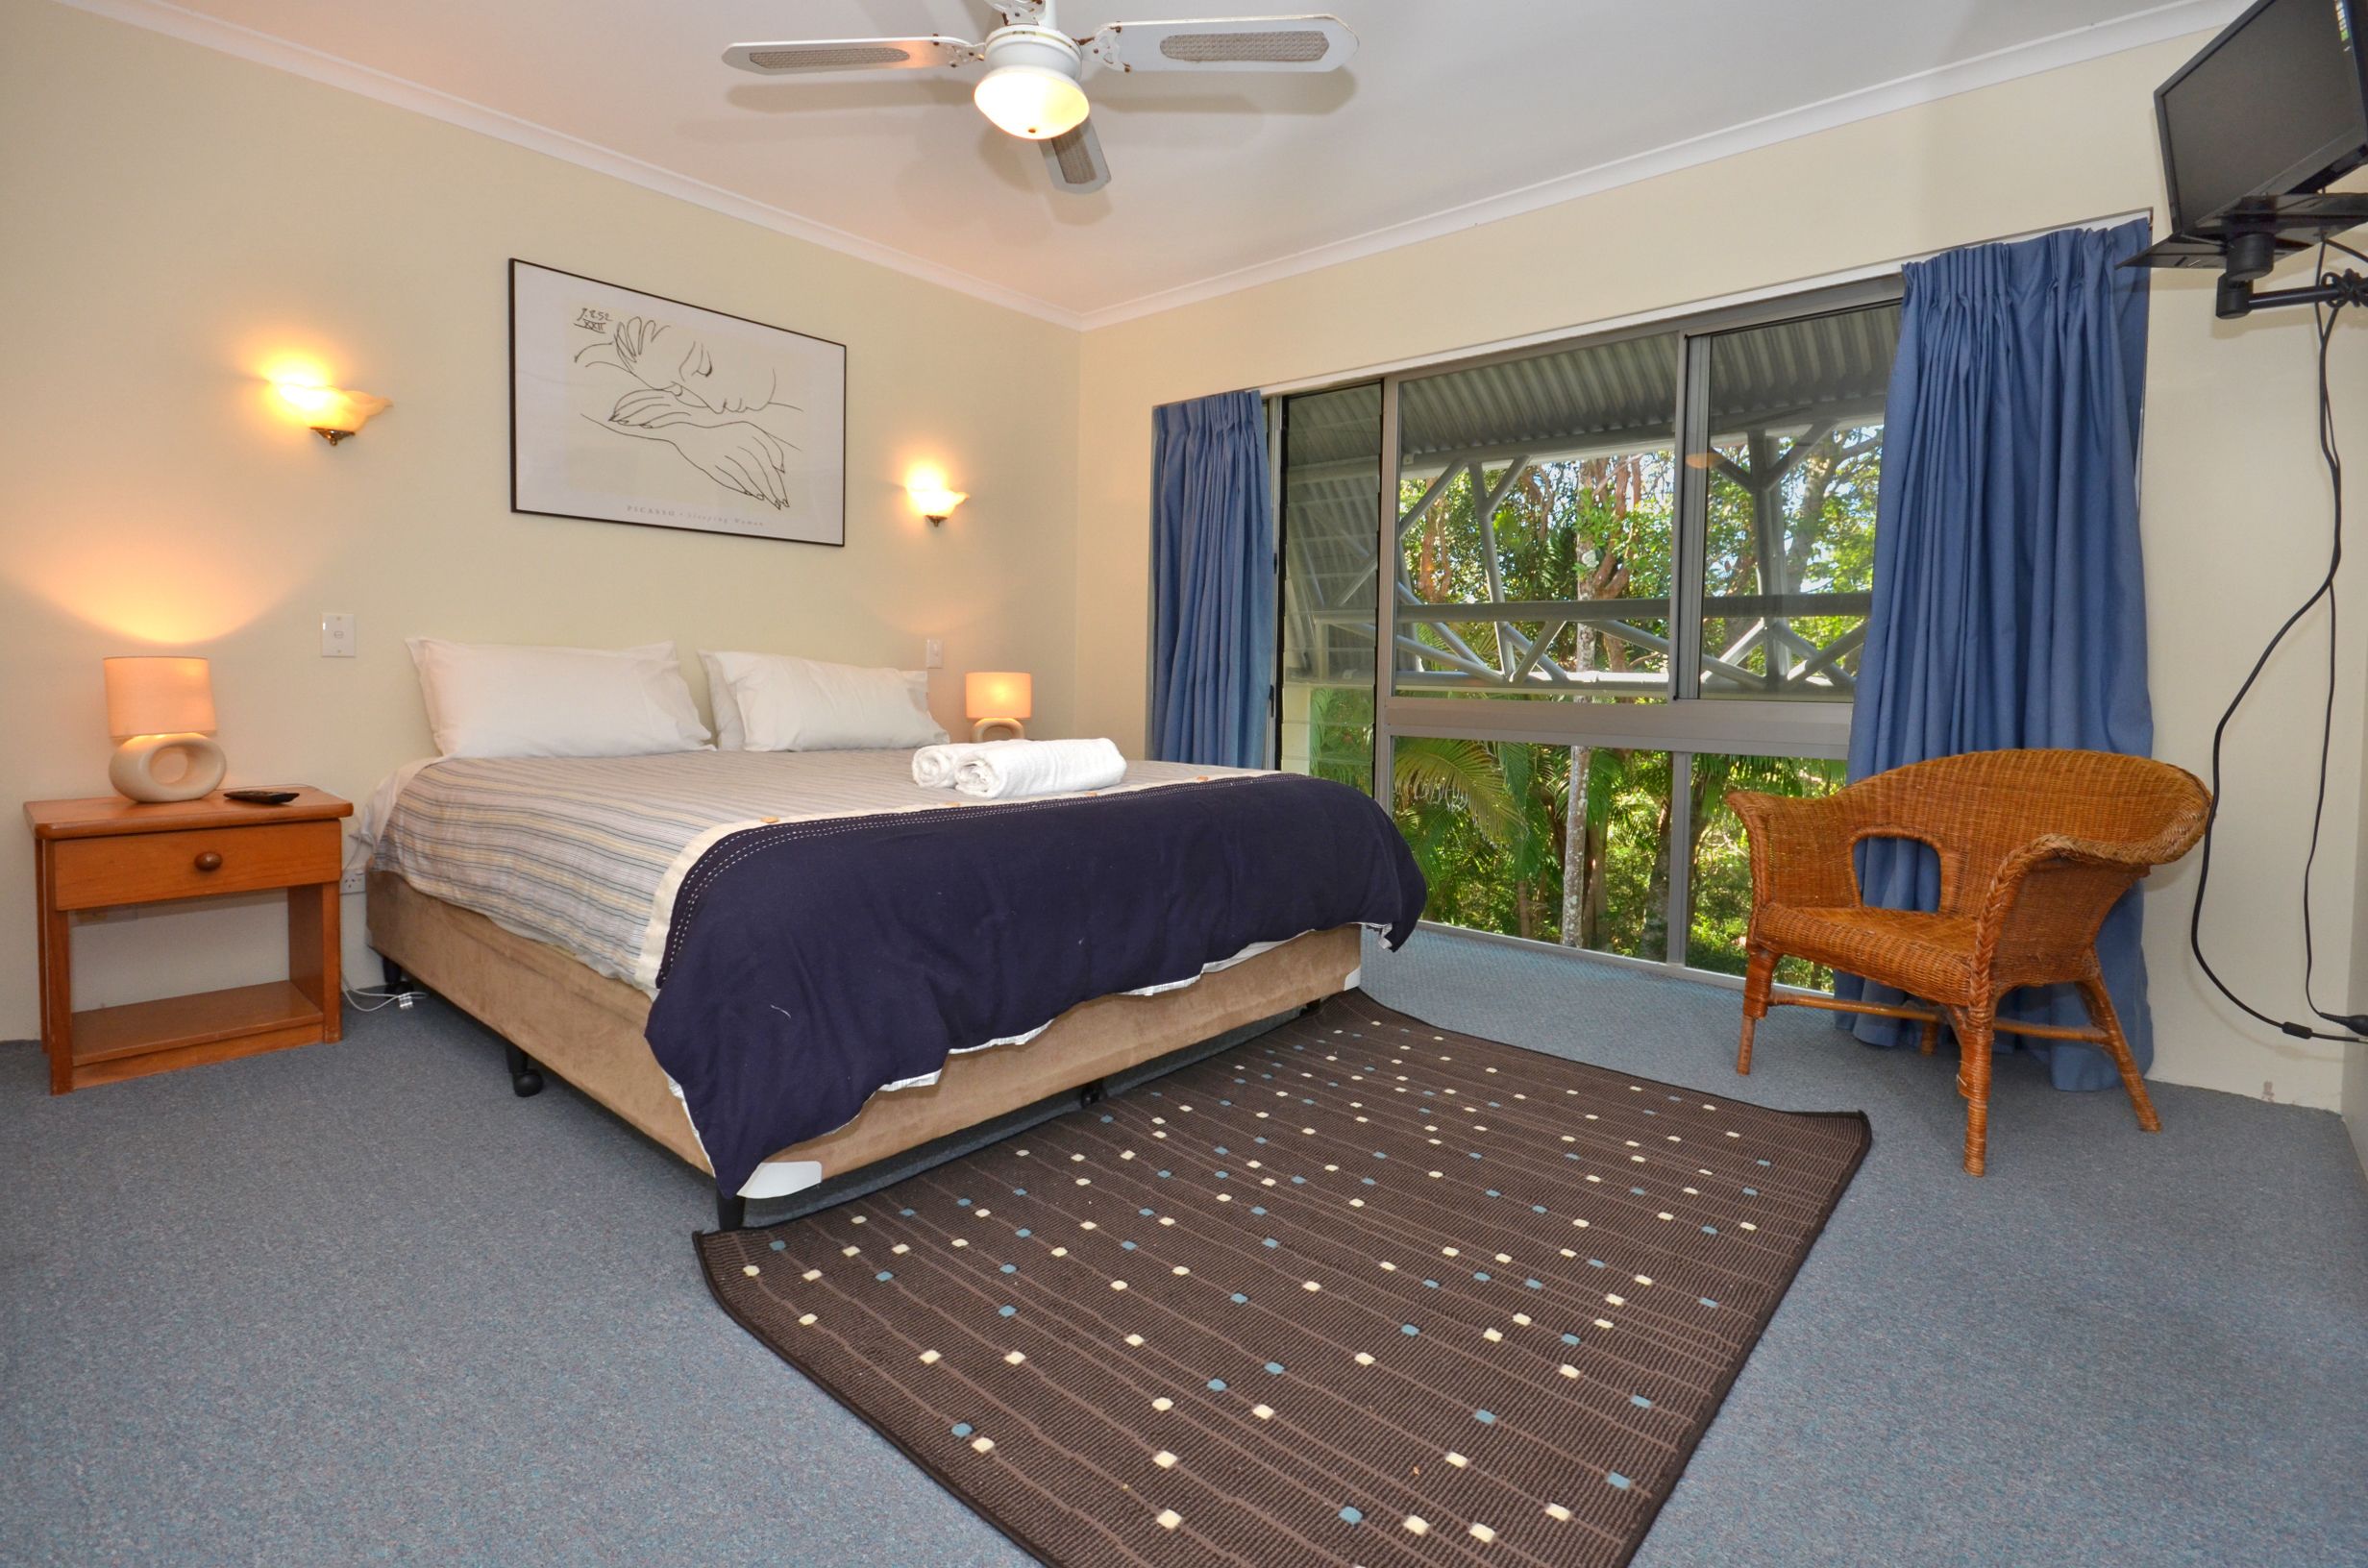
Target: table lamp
156, 706
999, 699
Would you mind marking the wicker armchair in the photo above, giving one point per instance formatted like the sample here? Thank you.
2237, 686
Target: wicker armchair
2034, 847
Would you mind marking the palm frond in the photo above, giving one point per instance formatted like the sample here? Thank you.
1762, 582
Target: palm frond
1463, 773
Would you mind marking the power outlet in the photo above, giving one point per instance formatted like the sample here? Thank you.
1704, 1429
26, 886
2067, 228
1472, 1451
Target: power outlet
355, 879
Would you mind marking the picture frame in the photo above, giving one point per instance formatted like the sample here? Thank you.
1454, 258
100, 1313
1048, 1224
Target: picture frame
627, 406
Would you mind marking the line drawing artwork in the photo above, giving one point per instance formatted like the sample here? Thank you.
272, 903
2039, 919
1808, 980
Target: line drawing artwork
633, 408
714, 401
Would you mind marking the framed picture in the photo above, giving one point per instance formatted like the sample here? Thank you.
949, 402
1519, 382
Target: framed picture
629, 407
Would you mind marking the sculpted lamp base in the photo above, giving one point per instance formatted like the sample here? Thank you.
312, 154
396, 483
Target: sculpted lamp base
133, 770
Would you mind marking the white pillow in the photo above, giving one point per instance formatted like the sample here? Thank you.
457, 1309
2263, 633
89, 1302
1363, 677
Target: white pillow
728, 736
793, 704
492, 700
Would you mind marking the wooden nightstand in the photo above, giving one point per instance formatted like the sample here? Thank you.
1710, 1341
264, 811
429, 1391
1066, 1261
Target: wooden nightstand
109, 851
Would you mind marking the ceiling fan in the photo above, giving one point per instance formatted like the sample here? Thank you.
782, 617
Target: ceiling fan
1030, 86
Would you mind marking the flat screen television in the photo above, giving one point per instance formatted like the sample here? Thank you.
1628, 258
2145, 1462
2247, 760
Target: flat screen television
2275, 106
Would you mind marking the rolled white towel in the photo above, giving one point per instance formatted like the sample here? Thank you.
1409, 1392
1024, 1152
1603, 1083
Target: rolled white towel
933, 765
1005, 769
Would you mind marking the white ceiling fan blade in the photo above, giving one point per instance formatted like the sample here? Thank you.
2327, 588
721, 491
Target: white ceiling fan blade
818, 55
1250, 43
1021, 12
1074, 158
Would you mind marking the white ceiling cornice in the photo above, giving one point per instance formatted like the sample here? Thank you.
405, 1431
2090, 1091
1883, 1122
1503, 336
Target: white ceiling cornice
2163, 23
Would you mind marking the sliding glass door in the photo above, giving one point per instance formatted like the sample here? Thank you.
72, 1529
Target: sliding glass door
1595, 587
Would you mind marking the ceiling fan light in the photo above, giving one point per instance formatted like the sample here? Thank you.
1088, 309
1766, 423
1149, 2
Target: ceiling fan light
1031, 101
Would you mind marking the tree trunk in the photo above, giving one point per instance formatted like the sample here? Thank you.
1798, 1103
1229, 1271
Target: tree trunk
1599, 892
1574, 848
1656, 937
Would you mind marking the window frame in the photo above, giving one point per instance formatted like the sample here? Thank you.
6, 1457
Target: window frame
1683, 722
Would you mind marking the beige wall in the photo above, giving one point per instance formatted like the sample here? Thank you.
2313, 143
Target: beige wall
2355, 1098
176, 219
2235, 517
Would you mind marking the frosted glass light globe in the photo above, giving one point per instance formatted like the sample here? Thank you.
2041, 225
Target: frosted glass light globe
1031, 101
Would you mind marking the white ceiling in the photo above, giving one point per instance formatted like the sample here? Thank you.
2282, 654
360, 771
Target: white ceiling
1451, 110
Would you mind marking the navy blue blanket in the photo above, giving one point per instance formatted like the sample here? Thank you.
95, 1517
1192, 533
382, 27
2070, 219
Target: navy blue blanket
809, 964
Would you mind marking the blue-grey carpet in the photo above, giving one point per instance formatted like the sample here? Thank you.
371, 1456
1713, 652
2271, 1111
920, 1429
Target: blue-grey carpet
357, 1304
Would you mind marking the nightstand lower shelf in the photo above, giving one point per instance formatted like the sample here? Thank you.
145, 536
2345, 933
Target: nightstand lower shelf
140, 1038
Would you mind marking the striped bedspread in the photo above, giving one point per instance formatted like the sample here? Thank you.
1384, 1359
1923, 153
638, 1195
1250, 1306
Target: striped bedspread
580, 852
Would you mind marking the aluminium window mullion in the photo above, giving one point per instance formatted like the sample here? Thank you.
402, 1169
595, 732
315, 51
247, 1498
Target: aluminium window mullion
1690, 551
1677, 923
1742, 726
1277, 411
1386, 555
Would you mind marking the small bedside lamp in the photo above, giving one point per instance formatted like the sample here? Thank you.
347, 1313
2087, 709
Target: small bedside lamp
999, 699
155, 705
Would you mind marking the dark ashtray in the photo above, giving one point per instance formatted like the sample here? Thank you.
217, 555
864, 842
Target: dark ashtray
260, 798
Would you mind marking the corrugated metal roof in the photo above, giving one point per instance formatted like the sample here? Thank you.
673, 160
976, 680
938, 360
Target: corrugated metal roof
1578, 397
1824, 368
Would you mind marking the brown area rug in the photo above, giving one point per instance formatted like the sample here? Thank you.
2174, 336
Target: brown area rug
1358, 1291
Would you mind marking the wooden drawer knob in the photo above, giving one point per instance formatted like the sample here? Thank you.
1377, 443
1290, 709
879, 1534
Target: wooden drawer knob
209, 861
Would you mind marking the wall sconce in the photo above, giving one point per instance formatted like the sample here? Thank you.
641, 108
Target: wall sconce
333, 412
935, 501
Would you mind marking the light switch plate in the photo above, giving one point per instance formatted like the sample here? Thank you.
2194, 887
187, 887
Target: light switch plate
933, 654
336, 634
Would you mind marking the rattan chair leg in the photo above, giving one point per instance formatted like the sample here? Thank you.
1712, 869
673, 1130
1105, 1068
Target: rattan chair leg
1928, 1038
2117, 1045
1759, 975
1975, 1031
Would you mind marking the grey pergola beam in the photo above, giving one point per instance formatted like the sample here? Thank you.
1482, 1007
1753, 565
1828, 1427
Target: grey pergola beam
1431, 494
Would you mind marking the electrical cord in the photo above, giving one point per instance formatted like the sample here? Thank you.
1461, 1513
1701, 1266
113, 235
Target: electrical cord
2322, 317
2349, 290
372, 998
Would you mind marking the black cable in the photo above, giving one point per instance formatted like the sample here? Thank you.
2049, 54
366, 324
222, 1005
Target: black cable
2324, 319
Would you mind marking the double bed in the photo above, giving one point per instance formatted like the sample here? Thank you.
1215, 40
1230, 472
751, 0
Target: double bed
718, 947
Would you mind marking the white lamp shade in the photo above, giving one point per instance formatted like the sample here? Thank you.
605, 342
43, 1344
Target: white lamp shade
149, 695
1031, 101
998, 694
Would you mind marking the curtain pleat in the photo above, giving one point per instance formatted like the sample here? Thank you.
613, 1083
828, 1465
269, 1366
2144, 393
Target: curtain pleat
2009, 605
1213, 581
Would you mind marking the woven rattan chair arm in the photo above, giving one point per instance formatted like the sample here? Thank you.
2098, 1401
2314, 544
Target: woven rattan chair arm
1800, 847
2000, 900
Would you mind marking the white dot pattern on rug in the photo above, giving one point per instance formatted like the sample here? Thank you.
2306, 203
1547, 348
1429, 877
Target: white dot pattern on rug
1265, 1339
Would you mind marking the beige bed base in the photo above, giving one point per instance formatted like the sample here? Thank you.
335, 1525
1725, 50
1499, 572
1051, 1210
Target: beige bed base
588, 1028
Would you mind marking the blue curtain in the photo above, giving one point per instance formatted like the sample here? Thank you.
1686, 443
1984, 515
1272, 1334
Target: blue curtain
2009, 603
1213, 581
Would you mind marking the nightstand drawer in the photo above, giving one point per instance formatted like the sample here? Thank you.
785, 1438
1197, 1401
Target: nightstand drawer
142, 867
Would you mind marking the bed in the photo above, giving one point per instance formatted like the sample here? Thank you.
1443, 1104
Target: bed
643, 926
